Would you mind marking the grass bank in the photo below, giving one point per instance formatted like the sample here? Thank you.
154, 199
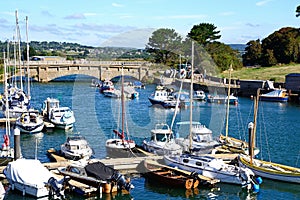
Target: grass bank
275, 73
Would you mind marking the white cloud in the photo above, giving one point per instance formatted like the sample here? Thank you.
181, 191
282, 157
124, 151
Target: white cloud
227, 13
117, 5
261, 3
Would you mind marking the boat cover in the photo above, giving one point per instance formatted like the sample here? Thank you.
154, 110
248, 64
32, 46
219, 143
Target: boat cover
99, 171
28, 172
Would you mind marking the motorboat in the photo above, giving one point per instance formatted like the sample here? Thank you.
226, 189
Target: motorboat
161, 141
30, 122
97, 174
76, 148
202, 140
61, 117
31, 177
277, 95
199, 95
222, 99
113, 93
163, 96
214, 168
106, 85
129, 93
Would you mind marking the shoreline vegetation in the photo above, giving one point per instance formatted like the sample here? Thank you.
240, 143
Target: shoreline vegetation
275, 73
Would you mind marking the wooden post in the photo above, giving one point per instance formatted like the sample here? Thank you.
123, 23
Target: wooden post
17, 147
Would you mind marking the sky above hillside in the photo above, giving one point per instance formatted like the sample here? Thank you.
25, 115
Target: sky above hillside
130, 23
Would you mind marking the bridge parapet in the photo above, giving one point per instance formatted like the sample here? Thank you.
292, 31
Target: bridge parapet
45, 71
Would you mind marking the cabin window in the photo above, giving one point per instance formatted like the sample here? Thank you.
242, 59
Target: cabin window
198, 163
185, 160
75, 170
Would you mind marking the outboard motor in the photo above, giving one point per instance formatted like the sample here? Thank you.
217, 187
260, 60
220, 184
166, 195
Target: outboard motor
56, 188
250, 180
123, 183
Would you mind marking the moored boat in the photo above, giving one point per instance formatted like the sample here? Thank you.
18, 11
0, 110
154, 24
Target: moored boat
163, 96
30, 122
173, 177
76, 148
33, 178
61, 117
277, 95
98, 175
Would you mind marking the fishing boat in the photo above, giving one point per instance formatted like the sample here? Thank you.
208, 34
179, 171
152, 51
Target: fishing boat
30, 122
277, 95
263, 168
76, 148
98, 175
174, 177
120, 146
31, 177
61, 117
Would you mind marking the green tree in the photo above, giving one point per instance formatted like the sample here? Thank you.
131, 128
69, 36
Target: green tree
223, 56
284, 44
204, 33
253, 53
298, 11
268, 58
165, 45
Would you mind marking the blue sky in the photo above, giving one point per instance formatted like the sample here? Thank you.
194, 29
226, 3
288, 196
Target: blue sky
131, 22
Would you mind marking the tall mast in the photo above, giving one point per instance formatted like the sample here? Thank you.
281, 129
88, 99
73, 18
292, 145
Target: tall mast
191, 96
19, 48
122, 103
228, 94
28, 72
7, 123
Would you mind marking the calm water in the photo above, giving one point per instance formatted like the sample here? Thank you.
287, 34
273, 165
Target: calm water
277, 135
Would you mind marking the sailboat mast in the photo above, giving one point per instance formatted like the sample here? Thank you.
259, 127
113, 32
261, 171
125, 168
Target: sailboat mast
227, 108
191, 96
27, 47
7, 123
122, 103
19, 48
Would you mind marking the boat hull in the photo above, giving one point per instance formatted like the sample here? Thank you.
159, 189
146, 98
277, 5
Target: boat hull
273, 174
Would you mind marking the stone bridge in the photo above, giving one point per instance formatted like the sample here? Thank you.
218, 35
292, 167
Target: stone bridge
45, 71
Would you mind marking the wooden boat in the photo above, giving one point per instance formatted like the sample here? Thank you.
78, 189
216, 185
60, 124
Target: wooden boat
173, 177
266, 169
271, 170
231, 144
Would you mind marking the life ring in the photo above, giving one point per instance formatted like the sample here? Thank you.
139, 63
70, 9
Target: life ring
189, 183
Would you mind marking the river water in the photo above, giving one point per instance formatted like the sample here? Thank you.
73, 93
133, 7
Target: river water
96, 116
